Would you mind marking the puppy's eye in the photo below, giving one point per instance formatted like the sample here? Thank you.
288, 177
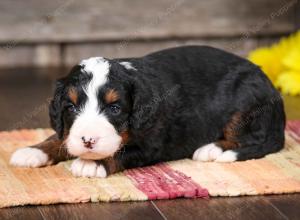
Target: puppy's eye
115, 109
72, 108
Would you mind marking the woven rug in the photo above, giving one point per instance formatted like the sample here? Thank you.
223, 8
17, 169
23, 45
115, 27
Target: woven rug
275, 174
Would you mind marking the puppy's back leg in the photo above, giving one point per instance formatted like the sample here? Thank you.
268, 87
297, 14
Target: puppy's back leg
222, 149
248, 137
48, 152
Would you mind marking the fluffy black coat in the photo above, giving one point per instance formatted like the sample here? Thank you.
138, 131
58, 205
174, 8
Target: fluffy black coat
177, 100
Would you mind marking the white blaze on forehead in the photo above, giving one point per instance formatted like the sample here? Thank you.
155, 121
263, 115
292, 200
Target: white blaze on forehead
98, 67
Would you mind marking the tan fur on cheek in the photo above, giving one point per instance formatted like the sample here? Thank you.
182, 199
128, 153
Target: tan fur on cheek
125, 137
111, 96
72, 93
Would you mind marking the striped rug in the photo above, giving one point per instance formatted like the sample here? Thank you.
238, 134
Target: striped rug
275, 174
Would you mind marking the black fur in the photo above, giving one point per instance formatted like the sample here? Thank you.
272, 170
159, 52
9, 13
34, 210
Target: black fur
55, 109
182, 98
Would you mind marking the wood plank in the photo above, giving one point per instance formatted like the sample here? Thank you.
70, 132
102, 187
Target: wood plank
73, 53
24, 98
96, 211
21, 213
72, 21
45, 55
51, 55
38, 55
219, 208
289, 205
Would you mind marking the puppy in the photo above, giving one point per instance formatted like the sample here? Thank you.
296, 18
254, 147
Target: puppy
187, 102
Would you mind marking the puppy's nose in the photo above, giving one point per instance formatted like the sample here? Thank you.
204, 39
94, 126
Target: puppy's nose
89, 142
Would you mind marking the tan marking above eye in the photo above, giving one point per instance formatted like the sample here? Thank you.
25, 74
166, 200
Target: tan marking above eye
73, 95
111, 96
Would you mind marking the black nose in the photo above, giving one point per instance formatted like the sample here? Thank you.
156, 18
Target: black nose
88, 142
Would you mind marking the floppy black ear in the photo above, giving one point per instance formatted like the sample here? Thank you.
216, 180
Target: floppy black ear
144, 105
55, 109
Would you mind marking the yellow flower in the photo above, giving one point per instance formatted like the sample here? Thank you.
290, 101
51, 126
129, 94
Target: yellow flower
289, 83
281, 63
292, 60
267, 59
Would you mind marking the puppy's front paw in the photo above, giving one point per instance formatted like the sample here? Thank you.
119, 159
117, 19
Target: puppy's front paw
29, 157
87, 168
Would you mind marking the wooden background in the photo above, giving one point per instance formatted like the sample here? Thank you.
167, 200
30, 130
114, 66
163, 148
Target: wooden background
62, 32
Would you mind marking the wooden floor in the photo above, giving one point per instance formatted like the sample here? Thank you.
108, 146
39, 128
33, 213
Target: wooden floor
23, 103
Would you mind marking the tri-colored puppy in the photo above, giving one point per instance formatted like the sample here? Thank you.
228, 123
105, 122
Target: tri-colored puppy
186, 102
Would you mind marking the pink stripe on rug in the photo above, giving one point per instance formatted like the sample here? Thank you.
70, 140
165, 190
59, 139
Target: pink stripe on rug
293, 128
162, 182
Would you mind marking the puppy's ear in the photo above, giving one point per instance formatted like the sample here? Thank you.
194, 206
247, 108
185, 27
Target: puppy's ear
144, 107
55, 109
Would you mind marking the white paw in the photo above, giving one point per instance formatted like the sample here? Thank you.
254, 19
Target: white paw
209, 152
227, 156
29, 157
87, 168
